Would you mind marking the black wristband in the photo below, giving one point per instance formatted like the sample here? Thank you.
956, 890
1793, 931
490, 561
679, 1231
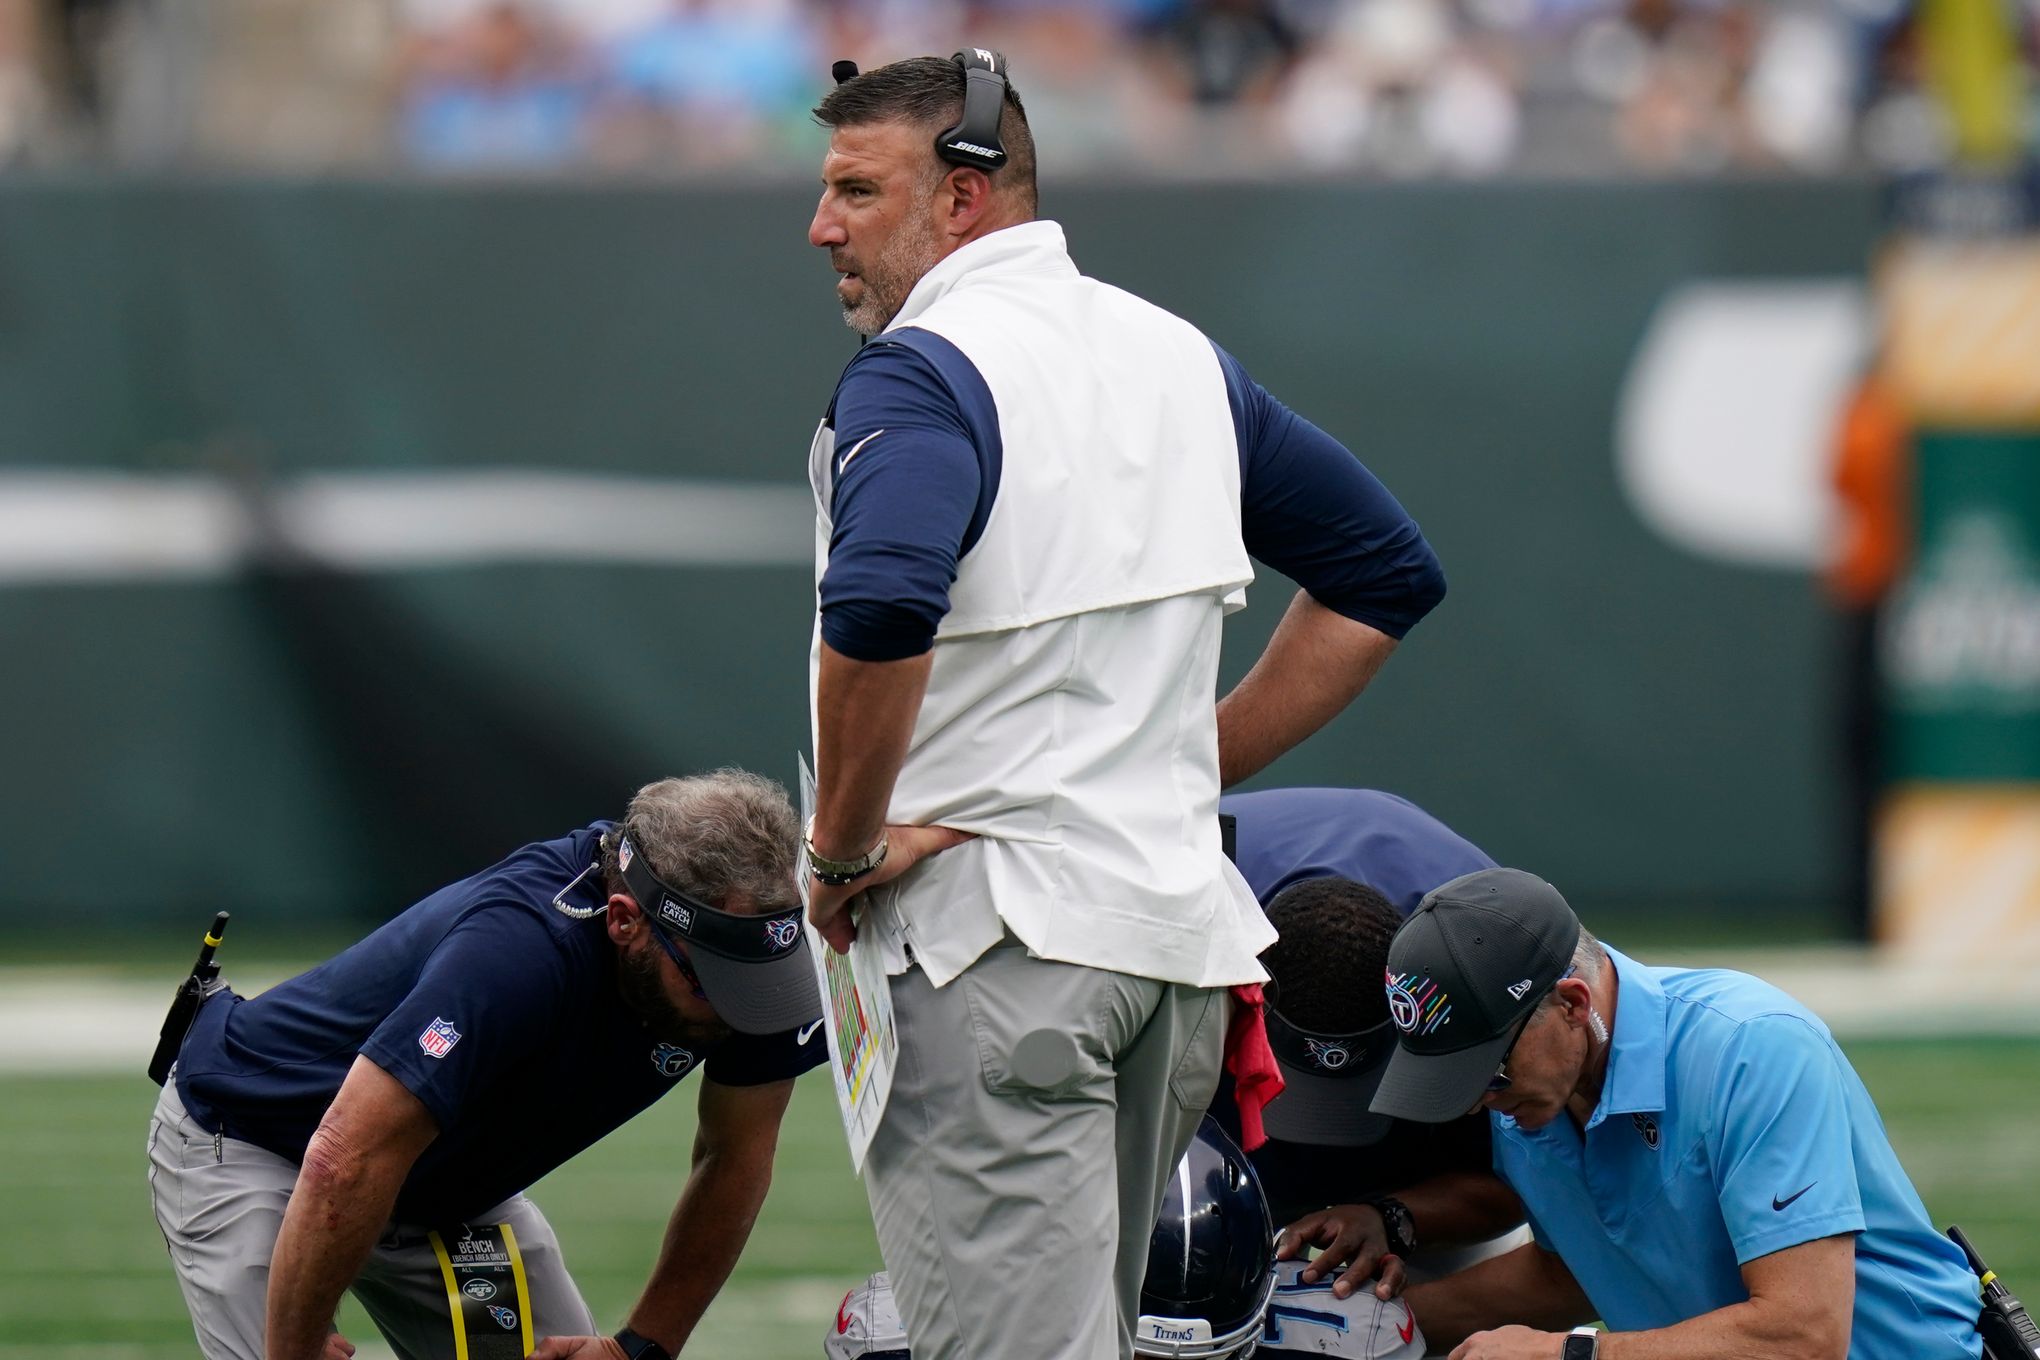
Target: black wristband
641, 1347
1398, 1224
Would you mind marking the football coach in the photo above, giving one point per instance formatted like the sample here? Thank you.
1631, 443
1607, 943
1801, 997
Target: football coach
373, 1123
1037, 496
1701, 1166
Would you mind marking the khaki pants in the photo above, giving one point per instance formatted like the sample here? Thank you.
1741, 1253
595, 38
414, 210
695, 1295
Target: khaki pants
1037, 1111
220, 1204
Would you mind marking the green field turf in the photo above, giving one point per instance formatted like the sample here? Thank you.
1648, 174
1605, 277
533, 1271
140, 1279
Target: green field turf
83, 1272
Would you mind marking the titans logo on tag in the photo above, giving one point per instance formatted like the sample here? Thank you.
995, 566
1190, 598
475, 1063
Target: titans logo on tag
672, 1060
506, 1318
1331, 1057
781, 934
439, 1038
675, 915
1646, 1126
1416, 1003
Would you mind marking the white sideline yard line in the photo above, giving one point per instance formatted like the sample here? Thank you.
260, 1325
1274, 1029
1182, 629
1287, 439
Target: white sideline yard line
59, 1020
71, 527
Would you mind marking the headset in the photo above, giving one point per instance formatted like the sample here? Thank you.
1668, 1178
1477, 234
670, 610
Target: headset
975, 140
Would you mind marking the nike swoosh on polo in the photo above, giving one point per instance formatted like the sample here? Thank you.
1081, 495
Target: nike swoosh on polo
844, 461
807, 1032
1777, 1203
1407, 1328
842, 1317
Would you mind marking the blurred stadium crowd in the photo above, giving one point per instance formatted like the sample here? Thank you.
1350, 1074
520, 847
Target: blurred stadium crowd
1380, 88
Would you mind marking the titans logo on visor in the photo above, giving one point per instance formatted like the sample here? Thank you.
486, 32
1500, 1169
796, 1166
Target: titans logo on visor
1417, 1004
781, 934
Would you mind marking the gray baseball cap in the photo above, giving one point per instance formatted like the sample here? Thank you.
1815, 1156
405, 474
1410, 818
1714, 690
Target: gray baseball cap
1464, 973
1327, 1080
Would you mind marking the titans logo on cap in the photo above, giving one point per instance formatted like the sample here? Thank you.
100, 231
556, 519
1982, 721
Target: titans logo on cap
1331, 1057
1416, 1004
781, 934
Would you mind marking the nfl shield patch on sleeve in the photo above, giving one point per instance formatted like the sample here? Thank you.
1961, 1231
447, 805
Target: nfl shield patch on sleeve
439, 1038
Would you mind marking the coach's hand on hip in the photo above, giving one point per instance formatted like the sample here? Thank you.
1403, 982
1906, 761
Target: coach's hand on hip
906, 846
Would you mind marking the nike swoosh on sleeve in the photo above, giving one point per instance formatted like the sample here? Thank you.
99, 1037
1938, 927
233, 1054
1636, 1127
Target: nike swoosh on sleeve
855, 449
1780, 1204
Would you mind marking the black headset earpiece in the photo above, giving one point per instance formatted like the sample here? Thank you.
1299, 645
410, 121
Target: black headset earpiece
975, 140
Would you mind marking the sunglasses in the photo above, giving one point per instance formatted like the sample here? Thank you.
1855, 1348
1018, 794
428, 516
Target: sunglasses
678, 955
1501, 1080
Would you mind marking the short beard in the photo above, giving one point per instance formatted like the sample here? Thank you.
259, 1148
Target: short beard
637, 978
888, 279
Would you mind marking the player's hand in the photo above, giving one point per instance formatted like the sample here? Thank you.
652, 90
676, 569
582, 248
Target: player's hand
578, 1348
829, 906
338, 1347
1349, 1235
1511, 1343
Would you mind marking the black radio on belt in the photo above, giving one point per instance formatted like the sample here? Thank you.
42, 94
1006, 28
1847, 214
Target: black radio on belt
191, 994
2008, 1330
975, 139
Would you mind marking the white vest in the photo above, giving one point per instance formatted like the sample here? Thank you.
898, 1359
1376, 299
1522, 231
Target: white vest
1070, 718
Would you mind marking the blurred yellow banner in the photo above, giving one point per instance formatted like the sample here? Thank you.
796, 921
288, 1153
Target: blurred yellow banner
1962, 330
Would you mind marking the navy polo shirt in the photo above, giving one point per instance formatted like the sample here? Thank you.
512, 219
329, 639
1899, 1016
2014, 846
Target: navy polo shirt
496, 1009
1371, 837
1731, 1126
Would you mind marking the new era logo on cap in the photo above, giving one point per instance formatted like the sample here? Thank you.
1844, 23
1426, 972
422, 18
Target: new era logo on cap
1516, 989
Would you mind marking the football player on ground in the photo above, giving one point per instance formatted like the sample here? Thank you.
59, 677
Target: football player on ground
1213, 1289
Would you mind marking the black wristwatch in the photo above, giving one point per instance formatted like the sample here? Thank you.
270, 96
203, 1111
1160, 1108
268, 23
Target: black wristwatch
1398, 1223
1582, 1343
641, 1347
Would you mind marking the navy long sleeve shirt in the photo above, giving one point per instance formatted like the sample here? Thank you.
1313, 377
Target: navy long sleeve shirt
918, 457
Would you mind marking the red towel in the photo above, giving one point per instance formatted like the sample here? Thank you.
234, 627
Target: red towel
1256, 1078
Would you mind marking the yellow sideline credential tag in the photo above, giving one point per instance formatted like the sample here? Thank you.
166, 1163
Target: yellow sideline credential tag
486, 1293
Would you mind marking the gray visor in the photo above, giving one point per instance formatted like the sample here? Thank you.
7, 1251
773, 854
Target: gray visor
756, 997
755, 970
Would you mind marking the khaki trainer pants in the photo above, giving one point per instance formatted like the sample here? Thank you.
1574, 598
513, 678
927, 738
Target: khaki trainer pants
1037, 1111
220, 1204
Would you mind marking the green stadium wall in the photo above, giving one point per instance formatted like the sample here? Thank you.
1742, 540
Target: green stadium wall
1648, 729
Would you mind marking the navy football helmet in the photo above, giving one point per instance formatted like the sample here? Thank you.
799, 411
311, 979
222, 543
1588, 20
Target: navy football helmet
1211, 1260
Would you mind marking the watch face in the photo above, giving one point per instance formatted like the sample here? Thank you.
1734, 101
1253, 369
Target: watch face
1581, 1347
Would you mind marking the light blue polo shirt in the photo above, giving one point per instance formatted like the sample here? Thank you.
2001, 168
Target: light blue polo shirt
1731, 1126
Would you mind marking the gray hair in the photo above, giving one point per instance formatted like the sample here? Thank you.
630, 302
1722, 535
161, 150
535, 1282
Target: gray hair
729, 837
1587, 959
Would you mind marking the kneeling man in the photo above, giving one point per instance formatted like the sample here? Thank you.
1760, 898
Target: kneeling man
372, 1124
1702, 1168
